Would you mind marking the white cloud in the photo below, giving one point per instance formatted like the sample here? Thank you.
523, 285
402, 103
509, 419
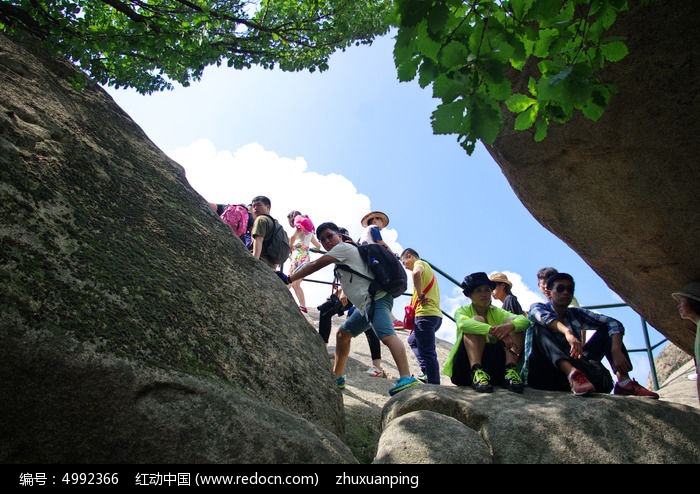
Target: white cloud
225, 177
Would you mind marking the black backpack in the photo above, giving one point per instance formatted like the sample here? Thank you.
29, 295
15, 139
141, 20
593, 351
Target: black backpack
389, 274
276, 248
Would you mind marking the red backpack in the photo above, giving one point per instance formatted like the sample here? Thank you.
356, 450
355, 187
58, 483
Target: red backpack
236, 216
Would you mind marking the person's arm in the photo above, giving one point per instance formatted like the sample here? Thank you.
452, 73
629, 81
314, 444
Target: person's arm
257, 245
512, 323
544, 315
467, 325
417, 275
377, 237
297, 233
312, 267
315, 242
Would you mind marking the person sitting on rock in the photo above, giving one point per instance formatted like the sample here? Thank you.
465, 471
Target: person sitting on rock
689, 308
559, 361
489, 340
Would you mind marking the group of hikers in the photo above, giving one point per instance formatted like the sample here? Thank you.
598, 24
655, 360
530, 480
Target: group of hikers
544, 347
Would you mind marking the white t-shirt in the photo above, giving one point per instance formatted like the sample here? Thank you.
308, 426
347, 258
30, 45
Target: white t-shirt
356, 288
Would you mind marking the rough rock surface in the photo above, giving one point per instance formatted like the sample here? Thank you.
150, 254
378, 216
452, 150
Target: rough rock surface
540, 427
668, 361
623, 191
134, 326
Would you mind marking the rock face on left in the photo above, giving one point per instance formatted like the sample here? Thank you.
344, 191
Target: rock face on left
134, 326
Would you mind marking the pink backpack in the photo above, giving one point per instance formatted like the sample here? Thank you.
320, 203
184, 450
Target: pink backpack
236, 216
304, 222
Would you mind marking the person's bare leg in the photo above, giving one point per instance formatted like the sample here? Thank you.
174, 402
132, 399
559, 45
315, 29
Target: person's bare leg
398, 352
474, 345
299, 293
342, 350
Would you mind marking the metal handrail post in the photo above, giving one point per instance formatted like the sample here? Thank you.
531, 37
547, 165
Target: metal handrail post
650, 355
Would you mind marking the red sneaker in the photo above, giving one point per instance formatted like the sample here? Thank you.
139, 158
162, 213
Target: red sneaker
398, 324
633, 388
580, 386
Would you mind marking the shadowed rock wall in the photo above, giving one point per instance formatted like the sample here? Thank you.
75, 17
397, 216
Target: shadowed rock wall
134, 325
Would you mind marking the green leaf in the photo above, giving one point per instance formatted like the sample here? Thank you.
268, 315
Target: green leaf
499, 90
454, 54
437, 18
425, 45
448, 117
407, 70
526, 119
540, 130
614, 51
519, 102
521, 7
427, 72
547, 10
486, 120
544, 42
447, 89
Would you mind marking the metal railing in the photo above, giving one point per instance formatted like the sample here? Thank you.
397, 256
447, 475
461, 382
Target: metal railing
648, 348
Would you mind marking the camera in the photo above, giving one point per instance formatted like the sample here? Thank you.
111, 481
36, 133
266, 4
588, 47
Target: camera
331, 306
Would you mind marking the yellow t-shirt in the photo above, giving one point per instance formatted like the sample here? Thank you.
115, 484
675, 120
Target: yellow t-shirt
431, 306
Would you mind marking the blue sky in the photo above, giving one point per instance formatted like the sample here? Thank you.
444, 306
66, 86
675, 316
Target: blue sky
338, 144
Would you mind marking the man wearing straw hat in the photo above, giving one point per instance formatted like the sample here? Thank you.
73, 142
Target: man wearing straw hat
503, 292
373, 223
689, 308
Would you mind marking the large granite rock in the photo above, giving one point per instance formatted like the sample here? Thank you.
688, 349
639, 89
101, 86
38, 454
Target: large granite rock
623, 191
134, 326
443, 424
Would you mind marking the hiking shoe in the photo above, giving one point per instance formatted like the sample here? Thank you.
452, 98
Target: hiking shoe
481, 381
633, 388
512, 380
340, 382
422, 378
376, 372
403, 383
580, 386
398, 324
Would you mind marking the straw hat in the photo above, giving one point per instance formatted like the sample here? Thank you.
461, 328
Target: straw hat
375, 214
500, 278
691, 290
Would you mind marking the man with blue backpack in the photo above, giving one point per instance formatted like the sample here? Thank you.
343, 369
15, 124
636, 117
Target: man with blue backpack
373, 304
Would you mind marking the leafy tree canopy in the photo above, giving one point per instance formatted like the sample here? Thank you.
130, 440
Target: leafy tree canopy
148, 44
465, 49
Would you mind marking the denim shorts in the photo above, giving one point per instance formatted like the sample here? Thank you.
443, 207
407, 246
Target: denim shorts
357, 323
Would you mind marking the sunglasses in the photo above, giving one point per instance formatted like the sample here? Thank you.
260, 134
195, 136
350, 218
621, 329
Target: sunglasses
564, 288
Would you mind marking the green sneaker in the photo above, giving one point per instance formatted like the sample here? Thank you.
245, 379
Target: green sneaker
512, 380
481, 381
340, 382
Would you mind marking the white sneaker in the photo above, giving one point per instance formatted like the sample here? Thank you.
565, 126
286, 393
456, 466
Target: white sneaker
692, 377
374, 372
